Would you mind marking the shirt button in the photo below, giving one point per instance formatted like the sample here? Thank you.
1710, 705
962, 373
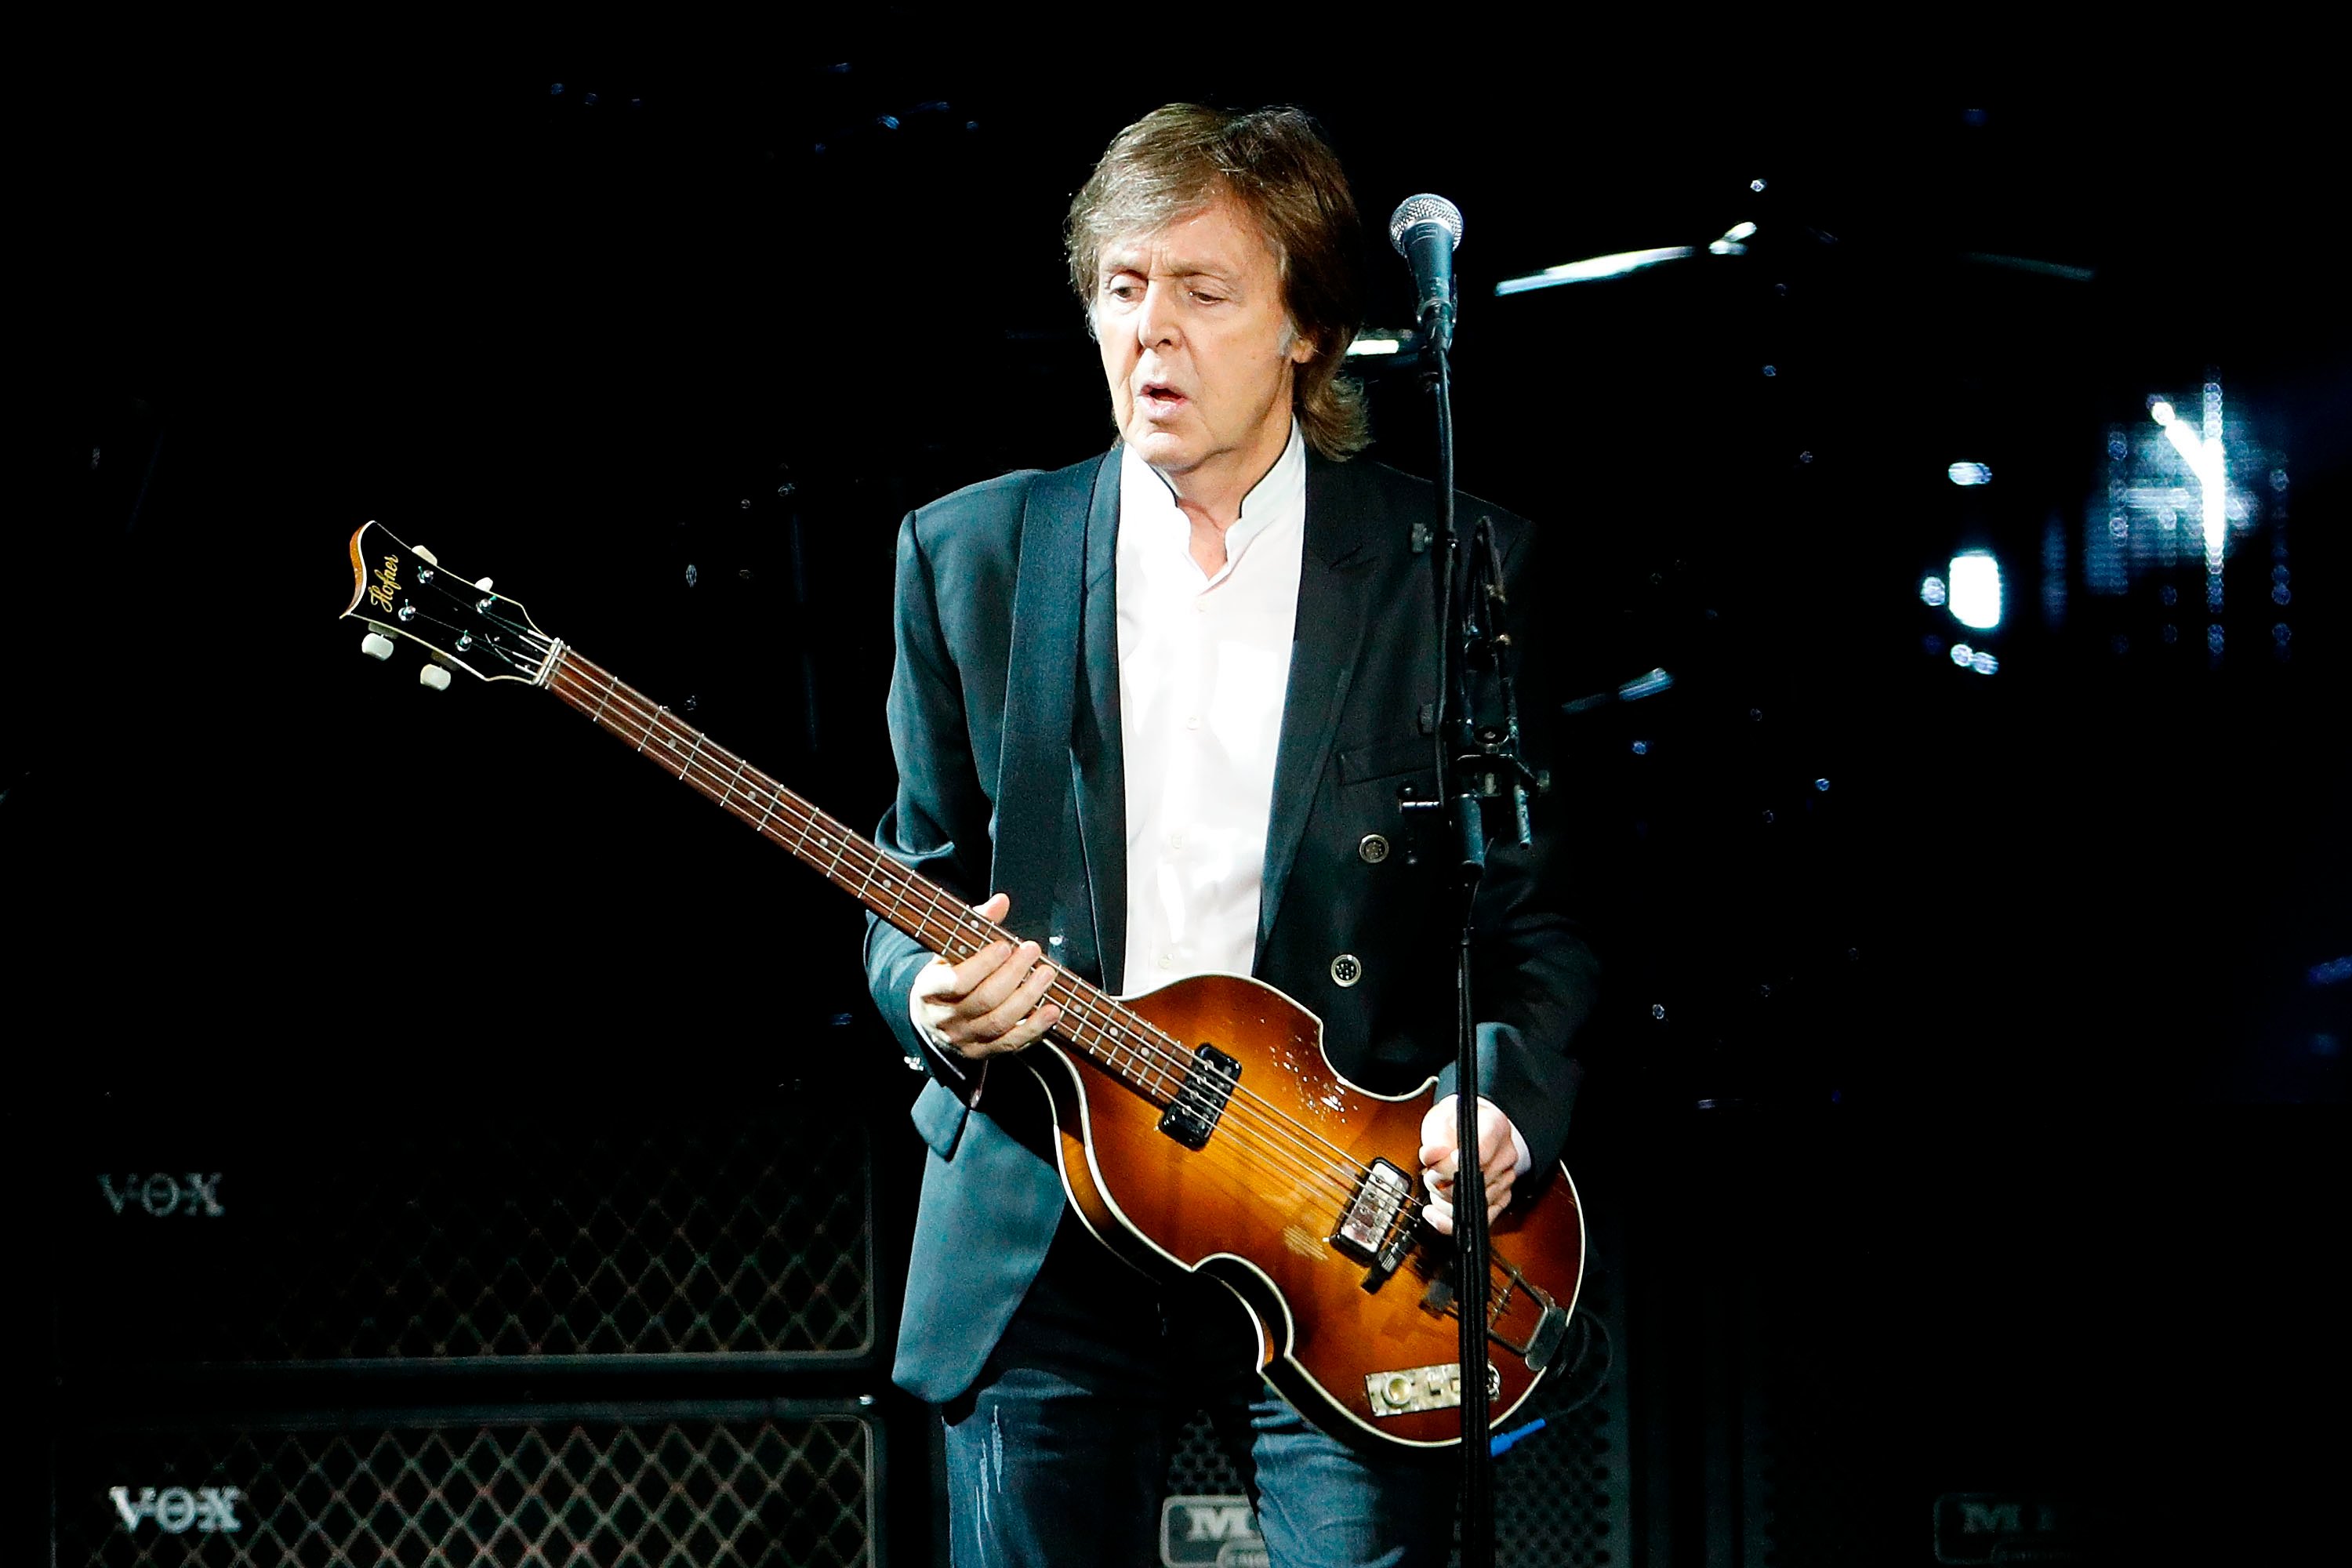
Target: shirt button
1175, 841
1191, 721
1167, 961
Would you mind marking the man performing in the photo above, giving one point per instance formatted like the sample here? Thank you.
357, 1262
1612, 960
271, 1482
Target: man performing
1152, 712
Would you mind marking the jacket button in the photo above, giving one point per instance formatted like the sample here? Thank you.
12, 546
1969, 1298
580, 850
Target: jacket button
1347, 969
1372, 849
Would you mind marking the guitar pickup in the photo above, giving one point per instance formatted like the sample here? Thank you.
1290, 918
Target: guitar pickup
1209, 1080
1367, 1230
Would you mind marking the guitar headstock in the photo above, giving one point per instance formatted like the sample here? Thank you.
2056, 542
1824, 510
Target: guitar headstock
405, 592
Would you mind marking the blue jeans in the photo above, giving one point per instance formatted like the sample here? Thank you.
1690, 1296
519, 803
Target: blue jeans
1056, 1458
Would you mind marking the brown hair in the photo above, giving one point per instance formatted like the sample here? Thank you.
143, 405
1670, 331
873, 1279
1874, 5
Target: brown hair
1276, 165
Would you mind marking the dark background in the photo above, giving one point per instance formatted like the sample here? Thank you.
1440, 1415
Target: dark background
2017, 987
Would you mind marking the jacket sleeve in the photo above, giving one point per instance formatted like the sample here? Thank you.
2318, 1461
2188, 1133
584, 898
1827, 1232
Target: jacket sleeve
937, 824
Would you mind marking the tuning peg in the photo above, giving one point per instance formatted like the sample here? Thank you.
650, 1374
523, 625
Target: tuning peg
433, 676
376, 645
425, 555
483, 583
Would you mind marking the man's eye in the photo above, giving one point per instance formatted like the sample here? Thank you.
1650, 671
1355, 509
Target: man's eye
1202, 296
1121, 291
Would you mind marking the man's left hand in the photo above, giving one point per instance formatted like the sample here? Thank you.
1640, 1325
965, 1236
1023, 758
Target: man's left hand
1498, 1158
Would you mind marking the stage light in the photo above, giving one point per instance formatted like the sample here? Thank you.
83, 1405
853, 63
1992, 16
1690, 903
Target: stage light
1643, 686
1976, 659
1931, 592
1593, 269
1371, 345
1975, 590
1966, 474
2208, 460
1739, 231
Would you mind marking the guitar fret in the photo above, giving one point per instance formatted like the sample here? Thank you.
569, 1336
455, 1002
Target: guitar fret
688, 766
731, 782
651, 726
598, 716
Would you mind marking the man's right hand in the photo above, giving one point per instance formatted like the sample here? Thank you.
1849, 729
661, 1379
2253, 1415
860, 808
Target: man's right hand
988, 1004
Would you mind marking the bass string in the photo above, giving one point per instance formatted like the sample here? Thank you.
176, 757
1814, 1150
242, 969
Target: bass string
813, 827
1268, 1141
1273, 1130
1276, 1131
1275, 1142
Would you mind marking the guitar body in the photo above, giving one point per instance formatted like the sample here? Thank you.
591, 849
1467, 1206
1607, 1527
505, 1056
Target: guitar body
1257, 1207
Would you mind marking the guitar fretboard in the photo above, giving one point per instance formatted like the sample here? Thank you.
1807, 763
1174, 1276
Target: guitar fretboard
1092, 1023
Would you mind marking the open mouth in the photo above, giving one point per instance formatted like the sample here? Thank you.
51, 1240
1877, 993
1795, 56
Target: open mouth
1161, 398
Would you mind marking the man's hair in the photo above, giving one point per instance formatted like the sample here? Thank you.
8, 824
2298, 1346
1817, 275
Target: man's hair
1276, 164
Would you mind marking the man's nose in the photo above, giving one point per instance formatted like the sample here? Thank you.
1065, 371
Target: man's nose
1155, 324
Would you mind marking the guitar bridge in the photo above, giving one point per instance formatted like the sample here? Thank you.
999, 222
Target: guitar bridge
1192, 1117
1411, 1390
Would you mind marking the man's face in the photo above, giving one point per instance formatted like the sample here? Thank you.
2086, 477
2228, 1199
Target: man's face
1197, 346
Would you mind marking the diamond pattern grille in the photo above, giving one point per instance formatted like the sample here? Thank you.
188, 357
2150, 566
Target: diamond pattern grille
751, 1239
614, 1494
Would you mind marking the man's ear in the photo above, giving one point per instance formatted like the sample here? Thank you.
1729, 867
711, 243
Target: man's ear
1302, 349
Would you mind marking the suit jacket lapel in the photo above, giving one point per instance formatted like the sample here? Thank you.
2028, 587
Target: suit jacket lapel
1334, 572
1100, 784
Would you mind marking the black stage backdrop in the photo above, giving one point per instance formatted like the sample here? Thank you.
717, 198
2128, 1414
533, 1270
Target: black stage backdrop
665, 340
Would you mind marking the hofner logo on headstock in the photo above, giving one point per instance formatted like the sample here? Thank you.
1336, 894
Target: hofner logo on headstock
175, 1509
195, 1193
386, 584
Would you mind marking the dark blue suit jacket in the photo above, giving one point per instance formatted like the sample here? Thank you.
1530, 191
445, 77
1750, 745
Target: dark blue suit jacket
986, 802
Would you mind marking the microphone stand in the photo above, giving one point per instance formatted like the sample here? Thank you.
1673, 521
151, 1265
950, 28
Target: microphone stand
1474, 761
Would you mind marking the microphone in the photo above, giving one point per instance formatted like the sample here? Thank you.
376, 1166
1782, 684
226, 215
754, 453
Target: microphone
1425, 229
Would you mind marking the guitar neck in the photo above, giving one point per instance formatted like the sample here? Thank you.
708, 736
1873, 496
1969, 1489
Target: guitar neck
1092, 1023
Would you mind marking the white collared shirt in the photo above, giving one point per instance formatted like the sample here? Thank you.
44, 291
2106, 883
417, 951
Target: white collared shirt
1203, 665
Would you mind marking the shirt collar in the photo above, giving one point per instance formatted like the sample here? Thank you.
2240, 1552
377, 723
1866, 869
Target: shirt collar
1144, 492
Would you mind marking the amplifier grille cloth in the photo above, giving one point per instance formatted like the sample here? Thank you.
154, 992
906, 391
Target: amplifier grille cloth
749, 1240
712, 1493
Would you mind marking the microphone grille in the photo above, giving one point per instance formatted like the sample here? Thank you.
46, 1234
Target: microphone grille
1424, 208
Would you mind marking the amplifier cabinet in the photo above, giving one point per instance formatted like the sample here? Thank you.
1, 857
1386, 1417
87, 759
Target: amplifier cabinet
750, 1484
736, 1239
